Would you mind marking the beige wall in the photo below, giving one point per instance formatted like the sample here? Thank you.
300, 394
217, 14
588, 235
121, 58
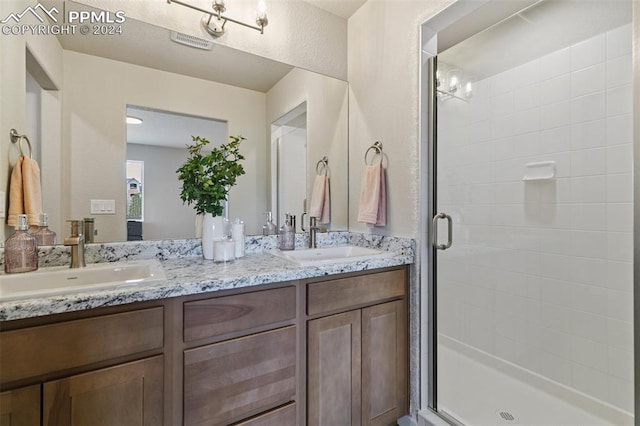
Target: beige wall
383, 74
45, 63
12, 101
96, 94
327, 129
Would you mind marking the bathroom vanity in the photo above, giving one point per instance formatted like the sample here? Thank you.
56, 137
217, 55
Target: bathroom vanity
321, 349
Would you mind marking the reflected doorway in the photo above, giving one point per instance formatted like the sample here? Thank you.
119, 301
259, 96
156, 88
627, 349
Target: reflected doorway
289, 163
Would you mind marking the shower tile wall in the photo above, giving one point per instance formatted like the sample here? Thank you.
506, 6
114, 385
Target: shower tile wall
540, 273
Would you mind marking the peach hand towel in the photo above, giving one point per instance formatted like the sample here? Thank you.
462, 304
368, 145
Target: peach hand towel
25, 192
372, 208
321, 199
32, 190
16, 194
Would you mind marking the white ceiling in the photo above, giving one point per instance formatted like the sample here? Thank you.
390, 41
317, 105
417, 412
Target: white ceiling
171, 130
341, 8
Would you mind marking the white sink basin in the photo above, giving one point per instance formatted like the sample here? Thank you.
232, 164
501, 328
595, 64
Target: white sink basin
62, 279
328, 255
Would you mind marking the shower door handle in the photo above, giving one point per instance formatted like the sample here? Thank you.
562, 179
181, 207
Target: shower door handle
449, 233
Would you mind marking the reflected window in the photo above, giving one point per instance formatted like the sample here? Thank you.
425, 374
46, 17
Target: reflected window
135, 199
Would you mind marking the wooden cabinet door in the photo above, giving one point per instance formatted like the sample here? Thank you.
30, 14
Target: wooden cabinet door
384, 363
20, 407
125, 395
333, 368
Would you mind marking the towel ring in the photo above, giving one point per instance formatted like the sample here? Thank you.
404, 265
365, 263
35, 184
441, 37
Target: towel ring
18, 138
324, 162
377, 147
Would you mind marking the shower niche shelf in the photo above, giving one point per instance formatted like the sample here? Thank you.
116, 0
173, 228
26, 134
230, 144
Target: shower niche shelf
542, 170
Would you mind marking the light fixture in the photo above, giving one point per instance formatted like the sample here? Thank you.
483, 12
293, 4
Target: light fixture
214, 21
133, 120
468, 90
452, 83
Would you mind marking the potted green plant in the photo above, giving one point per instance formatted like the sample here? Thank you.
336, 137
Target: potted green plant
206, 179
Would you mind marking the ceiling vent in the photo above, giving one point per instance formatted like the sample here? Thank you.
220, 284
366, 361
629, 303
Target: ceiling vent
191, 41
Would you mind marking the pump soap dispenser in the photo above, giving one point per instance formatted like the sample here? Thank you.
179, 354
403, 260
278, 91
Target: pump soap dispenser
44, 236
269, 228
20, 249
287, 237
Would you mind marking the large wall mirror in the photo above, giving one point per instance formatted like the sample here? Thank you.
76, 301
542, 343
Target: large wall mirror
85, 85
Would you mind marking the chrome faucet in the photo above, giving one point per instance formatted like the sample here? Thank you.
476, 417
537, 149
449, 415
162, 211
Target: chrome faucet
313, 232
76, 241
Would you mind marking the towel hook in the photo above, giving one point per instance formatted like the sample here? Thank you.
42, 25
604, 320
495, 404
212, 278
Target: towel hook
377, 147
324, 162
18, 138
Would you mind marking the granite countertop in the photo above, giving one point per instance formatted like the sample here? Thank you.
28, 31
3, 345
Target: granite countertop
194, 275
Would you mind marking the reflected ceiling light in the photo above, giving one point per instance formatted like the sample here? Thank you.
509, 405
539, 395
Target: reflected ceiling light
133, 120
452, 83
214, 21
468, 90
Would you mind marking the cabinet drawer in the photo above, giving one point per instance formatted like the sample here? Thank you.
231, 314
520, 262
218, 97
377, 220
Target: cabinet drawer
332, 295
34, 351
235, 379
221, 315
283, 416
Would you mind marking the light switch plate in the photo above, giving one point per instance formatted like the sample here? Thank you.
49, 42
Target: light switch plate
103, 206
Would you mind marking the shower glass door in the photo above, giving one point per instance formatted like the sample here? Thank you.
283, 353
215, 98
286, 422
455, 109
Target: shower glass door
534, 168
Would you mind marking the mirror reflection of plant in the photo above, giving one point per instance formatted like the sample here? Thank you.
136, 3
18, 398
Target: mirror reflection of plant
207, 177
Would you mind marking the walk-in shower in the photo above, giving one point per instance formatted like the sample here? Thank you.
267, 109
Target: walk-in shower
528, 139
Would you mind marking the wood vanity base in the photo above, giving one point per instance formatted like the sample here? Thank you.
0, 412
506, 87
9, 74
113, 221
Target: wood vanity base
324, 351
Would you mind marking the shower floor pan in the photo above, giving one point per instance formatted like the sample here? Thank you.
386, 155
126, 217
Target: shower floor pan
479, 389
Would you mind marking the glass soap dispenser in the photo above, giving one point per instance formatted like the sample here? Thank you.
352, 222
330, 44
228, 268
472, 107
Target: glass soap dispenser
269, 228
44, 235
20, 249
287, 237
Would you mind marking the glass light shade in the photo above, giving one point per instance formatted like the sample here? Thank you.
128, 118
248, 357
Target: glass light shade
261, 14
262, 10
468, 89
133, 120
454, 82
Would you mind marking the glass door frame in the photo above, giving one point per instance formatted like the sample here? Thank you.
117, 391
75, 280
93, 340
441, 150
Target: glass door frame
445, 29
